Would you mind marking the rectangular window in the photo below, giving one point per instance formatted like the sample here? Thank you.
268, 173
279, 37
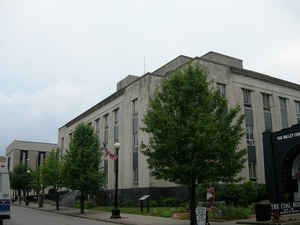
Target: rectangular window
24, 157
106, 172
135, 156
62, 146
267, 111
70, 138
252, 170
116, 125
248, 117
106, 129
97, 127
283, 110
298, 111
250, 133
222, 89
266, 101
247, 97
41, 158
21, 157
8, 163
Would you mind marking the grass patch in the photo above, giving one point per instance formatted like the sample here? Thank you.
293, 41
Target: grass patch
220, 213
157, 211
230, 213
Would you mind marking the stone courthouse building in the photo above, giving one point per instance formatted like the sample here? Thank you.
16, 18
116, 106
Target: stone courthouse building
268, 103
29, 153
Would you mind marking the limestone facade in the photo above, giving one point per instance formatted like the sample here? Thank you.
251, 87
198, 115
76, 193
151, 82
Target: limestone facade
119, 116
29, 153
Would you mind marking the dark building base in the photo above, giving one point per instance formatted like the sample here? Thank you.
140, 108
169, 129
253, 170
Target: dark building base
156, 193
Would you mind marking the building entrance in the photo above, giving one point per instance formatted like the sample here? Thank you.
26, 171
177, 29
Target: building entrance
282, 168
296, 176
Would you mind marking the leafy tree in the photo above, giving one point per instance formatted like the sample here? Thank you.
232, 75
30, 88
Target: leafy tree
81, 167
37, 184
194, 135
21, 179
51, 173
36, 180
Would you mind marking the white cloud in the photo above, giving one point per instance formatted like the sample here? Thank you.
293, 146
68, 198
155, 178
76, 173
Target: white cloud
59, 57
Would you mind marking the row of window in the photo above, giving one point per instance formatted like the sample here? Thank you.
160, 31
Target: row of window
249, 122
268, 123
24, 158
135, 128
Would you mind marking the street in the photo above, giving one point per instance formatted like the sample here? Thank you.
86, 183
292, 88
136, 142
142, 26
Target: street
26, 216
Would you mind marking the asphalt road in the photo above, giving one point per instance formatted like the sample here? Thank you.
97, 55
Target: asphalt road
26, 216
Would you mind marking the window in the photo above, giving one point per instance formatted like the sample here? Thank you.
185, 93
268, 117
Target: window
250, 133
8, 163
24, 157
116, 125
248, 117
62, 146
106, 129
41, 158
135, 156
97, 127
70, 138
221, 89
298, 111
106, 172
283, 110
252, 170
90, 124
247, 97
267, 111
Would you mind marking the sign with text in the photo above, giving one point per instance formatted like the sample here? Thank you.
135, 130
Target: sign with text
287, 207
201, 215
287, 136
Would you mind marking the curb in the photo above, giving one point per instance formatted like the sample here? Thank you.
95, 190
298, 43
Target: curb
78, 216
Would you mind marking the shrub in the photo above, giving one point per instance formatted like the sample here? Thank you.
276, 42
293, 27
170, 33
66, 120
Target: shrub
154, 203
232, 212
235, 194
128, 203
171, 202
87, 205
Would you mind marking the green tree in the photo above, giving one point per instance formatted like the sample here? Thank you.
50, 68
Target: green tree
37, 185
51, 173
81, 167
21, 179
194, 136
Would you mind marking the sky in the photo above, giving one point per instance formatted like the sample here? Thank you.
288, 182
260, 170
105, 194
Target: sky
60, 57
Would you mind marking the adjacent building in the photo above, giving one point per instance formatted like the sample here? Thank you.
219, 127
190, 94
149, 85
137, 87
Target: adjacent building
268, 103
28, 153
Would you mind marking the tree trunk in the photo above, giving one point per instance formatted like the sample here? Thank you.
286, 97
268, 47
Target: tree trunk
19, 196
57, 200
26, 197
81, 202
41, 200
193, 203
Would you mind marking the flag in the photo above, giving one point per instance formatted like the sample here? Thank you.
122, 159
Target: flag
109, 154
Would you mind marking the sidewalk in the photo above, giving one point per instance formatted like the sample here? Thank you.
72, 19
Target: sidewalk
127, 219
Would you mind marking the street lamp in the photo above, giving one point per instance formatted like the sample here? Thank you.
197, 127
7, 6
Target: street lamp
116, 211
27, 191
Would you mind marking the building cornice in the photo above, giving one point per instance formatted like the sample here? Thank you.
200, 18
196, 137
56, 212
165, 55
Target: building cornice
96, 107
266, 78
106, 100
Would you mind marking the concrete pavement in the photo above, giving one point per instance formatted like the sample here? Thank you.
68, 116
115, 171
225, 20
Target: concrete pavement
27, 216
127, 219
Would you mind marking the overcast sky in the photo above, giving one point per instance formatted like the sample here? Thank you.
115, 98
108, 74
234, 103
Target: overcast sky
60, 57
